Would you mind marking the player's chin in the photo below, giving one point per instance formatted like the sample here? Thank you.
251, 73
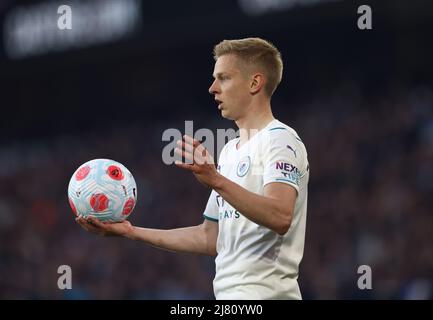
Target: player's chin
226, 115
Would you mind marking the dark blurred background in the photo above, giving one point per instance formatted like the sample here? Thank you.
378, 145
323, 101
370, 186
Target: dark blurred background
362, 101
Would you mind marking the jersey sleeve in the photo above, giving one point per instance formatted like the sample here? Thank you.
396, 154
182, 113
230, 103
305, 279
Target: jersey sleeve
211, 210
282, 159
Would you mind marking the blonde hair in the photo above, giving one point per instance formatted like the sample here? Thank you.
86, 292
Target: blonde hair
257, 52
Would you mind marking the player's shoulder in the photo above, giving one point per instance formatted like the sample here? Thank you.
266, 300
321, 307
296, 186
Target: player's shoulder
229, 145
283, 137
278, 131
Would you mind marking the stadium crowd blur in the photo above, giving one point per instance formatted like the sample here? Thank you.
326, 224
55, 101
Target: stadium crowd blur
368, 132
370, 203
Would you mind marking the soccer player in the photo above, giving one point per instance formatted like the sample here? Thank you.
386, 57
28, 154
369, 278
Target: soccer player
254, 221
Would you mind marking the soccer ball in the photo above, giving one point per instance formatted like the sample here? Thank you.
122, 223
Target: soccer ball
104, 189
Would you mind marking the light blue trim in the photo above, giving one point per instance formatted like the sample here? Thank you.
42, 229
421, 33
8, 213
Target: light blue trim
209, 218
276, 128
286, 180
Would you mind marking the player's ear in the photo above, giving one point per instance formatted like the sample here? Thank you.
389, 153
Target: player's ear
257, 83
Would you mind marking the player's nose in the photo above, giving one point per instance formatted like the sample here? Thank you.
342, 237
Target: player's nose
213, 89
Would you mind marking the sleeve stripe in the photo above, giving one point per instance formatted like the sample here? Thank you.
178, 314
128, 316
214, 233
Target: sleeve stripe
209, 218
286, 180
276, 128
281, 128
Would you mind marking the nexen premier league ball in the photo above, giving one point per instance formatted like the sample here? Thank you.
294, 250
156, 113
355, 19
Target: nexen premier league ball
104, 189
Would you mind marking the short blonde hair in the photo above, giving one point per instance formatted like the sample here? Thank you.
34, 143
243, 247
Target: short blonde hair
258, 52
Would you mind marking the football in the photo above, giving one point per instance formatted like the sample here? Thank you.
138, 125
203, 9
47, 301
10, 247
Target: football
102, 188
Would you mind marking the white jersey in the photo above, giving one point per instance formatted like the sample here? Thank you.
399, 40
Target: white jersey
254, 262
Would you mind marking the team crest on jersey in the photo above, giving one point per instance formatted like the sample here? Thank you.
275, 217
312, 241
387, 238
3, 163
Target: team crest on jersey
243, 166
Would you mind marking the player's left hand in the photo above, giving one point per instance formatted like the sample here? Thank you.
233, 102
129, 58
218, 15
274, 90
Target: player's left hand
201, 164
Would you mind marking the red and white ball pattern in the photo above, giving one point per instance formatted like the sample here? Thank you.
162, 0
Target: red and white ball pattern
104, 189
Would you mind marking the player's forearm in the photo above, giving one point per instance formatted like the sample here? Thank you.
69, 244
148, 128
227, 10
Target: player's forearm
262, 210
189, 239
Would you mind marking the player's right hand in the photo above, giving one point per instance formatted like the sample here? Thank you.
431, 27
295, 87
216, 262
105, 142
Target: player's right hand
93, 225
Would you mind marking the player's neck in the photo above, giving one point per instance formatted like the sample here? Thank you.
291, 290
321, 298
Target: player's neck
252, 123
